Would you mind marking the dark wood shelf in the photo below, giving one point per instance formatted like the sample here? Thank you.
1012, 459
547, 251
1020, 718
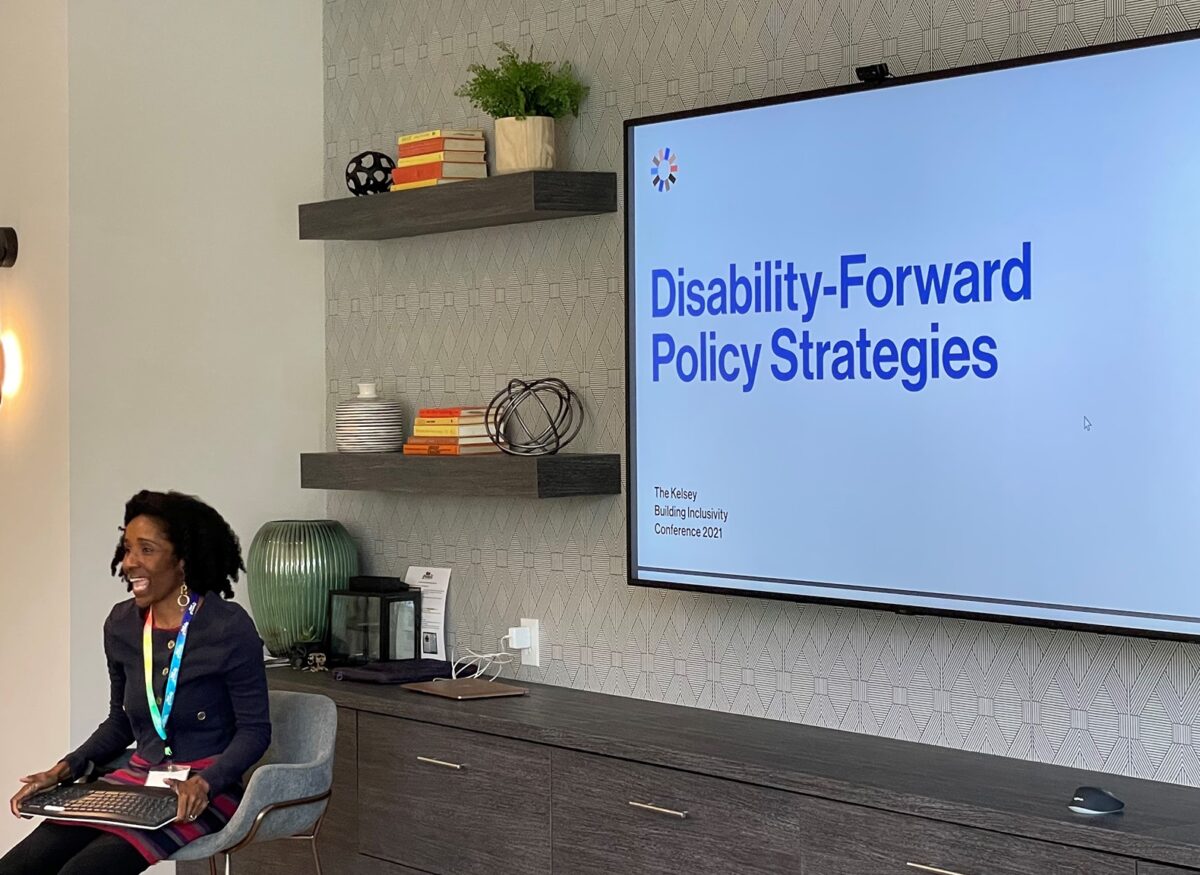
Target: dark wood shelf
476, 203
558, 476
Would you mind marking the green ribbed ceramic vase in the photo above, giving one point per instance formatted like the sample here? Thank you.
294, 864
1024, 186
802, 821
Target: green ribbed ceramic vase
290, 569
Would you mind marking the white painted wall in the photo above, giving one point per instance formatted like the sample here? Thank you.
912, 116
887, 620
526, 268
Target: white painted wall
35, 643
197, 315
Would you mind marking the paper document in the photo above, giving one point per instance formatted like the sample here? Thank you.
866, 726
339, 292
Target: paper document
434, 584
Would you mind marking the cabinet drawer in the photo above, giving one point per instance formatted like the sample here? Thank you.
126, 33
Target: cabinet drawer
371, 866
614, 816
853, 840
452, 802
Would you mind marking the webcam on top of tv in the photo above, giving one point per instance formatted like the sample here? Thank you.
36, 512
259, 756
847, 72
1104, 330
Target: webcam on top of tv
872, 74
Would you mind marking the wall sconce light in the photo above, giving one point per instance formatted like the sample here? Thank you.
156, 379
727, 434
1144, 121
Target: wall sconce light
10, 352
10, 365
8, 247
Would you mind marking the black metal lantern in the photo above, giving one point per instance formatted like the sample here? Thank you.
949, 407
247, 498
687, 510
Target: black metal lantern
373, 625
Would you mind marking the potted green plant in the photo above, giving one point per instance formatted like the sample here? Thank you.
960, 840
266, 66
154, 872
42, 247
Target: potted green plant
524, 97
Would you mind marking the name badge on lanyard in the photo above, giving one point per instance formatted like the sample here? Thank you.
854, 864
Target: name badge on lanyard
160, 717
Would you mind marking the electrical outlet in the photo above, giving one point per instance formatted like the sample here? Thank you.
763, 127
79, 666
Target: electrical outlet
531, 655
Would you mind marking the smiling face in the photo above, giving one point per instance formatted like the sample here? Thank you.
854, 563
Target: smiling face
150, 565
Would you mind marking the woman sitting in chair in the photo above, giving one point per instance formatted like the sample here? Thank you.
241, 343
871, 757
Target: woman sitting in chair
187, 685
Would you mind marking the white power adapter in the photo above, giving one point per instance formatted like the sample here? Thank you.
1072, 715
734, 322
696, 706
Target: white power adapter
520, 637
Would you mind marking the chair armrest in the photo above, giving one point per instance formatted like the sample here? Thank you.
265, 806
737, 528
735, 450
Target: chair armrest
277, 785
281, 782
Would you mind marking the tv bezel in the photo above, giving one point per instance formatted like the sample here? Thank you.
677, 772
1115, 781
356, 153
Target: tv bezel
833, 91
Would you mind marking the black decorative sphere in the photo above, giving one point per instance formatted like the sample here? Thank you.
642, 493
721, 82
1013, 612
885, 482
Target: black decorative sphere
534, 417
369, 173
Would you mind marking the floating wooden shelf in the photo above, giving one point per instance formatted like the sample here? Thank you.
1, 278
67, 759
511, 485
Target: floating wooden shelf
476, 203
556, 476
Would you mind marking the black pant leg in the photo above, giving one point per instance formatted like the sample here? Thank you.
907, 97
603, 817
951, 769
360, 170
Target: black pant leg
47, 849
107, 855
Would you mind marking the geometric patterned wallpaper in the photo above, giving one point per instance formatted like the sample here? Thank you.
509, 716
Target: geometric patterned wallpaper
449, 318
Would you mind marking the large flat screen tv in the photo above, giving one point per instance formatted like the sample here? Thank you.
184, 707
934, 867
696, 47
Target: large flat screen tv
932, 345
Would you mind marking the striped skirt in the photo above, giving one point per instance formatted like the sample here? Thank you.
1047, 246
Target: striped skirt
159, 844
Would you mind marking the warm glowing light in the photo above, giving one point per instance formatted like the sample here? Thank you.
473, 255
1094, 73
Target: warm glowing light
11, 366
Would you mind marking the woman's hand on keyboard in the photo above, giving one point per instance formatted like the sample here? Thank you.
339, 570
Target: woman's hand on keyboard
38, 782
193, 797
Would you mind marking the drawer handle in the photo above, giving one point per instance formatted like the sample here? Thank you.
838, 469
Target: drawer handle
657, 810
934, 869
441, 763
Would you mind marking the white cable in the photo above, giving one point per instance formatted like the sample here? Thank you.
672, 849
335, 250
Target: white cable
481, 663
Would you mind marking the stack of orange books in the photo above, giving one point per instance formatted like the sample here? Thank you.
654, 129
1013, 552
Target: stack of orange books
450, 431
438, 156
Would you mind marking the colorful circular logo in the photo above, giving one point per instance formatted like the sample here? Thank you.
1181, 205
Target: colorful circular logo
664, 168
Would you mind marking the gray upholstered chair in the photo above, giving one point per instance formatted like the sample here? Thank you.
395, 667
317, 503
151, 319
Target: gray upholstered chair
288, 790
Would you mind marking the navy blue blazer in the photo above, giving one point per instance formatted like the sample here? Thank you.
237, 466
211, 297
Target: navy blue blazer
221, 706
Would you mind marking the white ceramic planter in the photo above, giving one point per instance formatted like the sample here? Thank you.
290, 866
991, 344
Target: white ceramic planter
524, 144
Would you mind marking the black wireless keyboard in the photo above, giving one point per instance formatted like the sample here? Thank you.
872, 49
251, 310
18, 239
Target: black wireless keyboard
136, 807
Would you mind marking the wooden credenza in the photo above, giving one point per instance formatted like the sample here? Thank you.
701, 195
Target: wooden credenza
562, 781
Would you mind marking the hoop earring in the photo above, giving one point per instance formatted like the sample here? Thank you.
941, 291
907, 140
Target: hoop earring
184, 599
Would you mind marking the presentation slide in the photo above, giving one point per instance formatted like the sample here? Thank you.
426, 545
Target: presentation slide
931, 345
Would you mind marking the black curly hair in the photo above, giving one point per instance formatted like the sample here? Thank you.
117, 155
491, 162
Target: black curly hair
211, 552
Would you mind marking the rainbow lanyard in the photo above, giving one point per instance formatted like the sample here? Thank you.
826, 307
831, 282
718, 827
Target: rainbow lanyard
160, 717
